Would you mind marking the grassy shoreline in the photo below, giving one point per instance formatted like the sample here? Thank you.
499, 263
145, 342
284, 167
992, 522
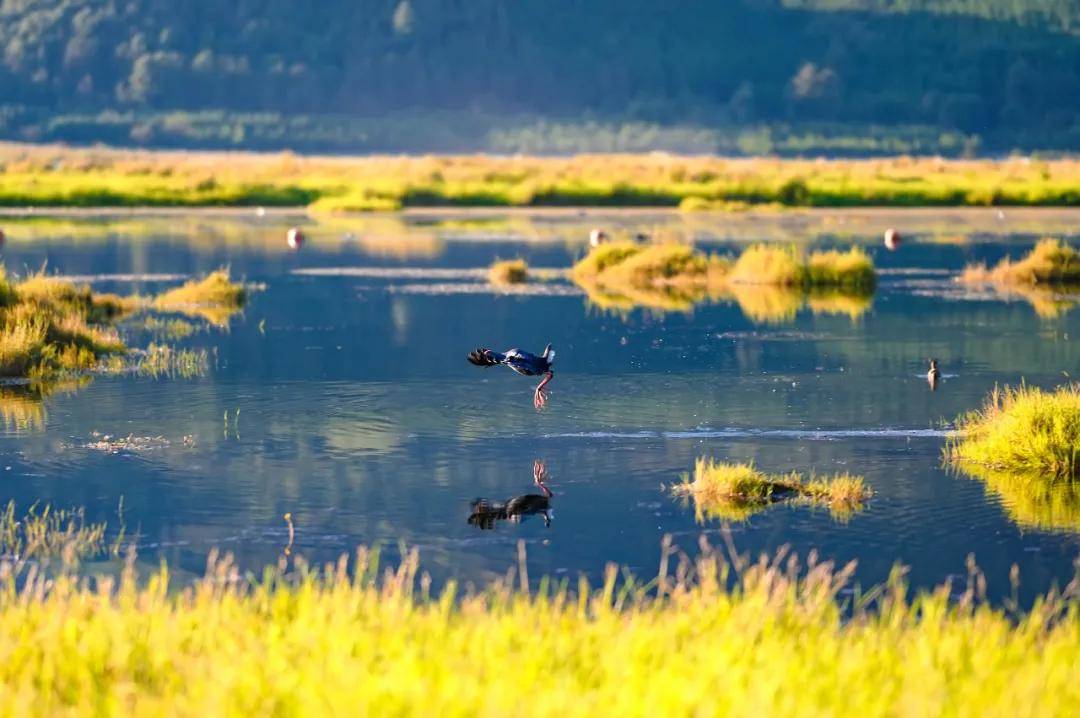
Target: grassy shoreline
713, 636
54, 176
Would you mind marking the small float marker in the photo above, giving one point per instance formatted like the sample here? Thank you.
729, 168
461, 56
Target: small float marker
294, 238
892, 239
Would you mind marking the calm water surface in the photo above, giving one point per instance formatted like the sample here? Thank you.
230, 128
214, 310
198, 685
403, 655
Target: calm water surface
342, 395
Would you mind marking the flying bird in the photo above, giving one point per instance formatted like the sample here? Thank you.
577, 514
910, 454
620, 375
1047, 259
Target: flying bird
523, 363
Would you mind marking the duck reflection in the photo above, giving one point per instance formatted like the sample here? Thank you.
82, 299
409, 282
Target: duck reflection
485, 514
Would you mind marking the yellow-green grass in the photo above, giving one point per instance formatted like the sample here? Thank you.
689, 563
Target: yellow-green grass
213, 290
783, 267
769, 282
49, 326
1051, 261
509, 271
214, 298
734, 490
63, 176
45, 532
707, 637
1023, 430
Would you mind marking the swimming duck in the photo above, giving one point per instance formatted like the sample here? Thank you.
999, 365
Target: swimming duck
934, 375
523, 363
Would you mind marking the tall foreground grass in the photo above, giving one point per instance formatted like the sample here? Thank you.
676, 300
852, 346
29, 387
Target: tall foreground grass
709, 637
61, 176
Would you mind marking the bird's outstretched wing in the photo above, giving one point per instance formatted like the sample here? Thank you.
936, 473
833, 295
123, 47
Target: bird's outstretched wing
485, 357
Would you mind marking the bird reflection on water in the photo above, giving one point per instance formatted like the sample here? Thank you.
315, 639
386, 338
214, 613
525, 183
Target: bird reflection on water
485, 514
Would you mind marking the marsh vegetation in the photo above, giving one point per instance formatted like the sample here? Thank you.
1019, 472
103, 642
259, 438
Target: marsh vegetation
748, 630
770, 283
734, 491
64, 177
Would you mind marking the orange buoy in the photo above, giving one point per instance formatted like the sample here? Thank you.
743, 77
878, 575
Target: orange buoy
892, 239
294, 238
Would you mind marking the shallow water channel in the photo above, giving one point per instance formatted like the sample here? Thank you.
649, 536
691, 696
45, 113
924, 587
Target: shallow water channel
341, 394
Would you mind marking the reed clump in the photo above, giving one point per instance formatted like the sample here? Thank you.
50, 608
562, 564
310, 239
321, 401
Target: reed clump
675, 277
215, 298
711, 637
735, 490
1022, 430
213, 290
45, 532
1050, 262
777, 266
49, 326
509, 271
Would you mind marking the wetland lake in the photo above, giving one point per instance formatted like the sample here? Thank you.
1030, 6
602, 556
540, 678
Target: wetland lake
341, 394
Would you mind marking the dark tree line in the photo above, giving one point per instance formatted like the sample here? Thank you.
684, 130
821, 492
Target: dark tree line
971, 65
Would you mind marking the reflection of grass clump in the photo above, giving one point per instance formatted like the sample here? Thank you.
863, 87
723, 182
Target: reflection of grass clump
47, 532
1034, 501
1050, 262
22, 406
510, 271
1024, 431
735, 491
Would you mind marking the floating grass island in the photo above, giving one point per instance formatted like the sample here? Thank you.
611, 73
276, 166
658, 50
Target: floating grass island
708, 637
1023, 430
59, 176
736, 491
1024, 444
769, 282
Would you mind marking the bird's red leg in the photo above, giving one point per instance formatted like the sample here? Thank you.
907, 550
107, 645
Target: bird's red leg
539, 398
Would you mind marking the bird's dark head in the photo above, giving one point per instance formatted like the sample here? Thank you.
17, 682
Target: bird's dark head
933, 363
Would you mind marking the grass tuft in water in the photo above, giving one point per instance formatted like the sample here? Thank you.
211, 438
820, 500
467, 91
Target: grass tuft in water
214, 298
711, 636
49, 326
782, 267
1022, 430
734, 491
46, 532
1050, 262
509, 271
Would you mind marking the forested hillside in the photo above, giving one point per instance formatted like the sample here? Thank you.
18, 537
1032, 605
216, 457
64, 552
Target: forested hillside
875, 75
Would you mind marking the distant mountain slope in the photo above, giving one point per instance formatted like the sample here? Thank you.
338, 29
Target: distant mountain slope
1008, 69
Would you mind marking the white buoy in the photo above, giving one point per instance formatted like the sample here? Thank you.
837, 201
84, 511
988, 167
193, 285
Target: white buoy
892, 239
597, 237
260, 211
294, 238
